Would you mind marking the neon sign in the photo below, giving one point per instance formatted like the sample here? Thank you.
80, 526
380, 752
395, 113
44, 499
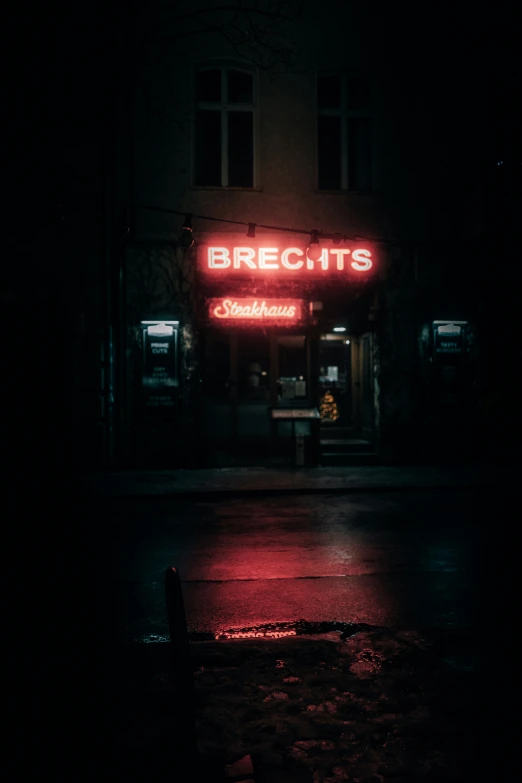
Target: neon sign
283, 261
272, 310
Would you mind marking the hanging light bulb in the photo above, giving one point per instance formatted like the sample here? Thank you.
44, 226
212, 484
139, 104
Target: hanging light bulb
314, 248
251, 233
186, 237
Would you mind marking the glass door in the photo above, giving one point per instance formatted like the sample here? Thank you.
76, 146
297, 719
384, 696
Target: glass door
246, 373
292, 369
217, 385
335, 380
253, 378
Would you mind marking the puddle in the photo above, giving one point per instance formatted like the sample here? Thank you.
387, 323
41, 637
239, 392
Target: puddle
281, 630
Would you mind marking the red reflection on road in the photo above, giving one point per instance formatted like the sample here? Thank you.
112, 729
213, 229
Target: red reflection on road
254, 634
269, 563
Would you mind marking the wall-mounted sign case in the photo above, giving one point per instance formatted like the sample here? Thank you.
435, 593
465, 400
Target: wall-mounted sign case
449, 337
160, 372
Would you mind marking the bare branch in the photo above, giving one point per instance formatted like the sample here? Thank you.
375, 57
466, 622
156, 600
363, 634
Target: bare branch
258, 31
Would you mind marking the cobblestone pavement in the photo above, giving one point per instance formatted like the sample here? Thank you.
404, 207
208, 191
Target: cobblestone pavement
380, 705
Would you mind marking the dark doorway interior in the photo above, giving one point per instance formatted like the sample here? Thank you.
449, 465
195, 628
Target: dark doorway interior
246, 373
335, 380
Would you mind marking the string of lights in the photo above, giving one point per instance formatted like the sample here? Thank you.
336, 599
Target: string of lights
187, 237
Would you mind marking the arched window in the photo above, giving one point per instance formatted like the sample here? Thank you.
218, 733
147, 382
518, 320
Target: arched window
345, 143
224, 128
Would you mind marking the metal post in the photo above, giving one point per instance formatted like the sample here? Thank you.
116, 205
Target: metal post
356, 384
178, 631
180, 656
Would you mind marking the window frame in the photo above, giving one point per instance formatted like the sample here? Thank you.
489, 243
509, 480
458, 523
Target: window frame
224, 107
345, 114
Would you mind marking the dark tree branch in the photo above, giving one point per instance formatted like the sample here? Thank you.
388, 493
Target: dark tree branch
257, 31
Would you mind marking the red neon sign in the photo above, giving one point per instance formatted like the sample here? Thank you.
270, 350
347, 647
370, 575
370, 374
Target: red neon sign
229, 260
230, 308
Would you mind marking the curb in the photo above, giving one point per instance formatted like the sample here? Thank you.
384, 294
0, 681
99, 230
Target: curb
218, 494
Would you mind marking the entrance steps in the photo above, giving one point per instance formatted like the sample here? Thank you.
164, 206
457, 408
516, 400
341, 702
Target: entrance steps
341, 446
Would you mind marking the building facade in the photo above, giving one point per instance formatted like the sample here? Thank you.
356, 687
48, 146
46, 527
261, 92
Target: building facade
297, 287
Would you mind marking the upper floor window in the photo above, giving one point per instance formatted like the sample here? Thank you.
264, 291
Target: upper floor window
224, 132
344, 134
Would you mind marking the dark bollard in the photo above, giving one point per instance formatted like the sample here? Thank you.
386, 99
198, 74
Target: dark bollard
180, 656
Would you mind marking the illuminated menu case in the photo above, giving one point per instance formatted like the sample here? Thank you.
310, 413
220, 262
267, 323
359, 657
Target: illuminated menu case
160, 371
451, 350
448, 337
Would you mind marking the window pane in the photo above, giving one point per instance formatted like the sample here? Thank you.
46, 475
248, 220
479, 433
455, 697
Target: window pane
217, 367
357, 94
253, 366
329, 92
208, 148
360, 154
329, 152
240, 87
208, 86
291, 383
240, 149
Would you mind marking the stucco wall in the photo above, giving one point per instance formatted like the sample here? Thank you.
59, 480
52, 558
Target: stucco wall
411, 192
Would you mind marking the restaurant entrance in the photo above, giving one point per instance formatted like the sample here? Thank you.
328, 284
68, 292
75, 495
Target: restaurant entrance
346, 398
248, 372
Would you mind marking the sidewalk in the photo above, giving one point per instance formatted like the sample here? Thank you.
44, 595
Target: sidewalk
380, 705
237, 481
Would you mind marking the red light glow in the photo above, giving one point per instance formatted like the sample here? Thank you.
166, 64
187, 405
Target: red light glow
289, 261
271, 310
254, 634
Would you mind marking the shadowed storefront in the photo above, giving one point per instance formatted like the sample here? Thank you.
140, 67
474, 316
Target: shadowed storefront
286, 349
256, 354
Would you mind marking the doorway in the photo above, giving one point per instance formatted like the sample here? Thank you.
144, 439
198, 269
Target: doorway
346, 383
335, 381
246, 373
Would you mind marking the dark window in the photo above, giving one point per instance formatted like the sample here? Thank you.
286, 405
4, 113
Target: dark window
240, 87
359, 153
240, 149
217, 367
357, 94
224, 133
329, 92
344, 134
208, 148
253, 366
208, 86
329, 152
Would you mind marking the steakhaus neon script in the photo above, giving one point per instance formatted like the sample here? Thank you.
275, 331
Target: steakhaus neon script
255, 309
273, 260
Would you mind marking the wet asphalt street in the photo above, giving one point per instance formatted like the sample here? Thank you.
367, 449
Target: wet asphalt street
407, 559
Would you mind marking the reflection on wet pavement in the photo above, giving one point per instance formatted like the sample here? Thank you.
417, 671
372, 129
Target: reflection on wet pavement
406, 560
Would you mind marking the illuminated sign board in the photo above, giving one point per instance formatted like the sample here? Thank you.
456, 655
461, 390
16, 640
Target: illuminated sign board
449, 336
232, 309
160, 377
220, 260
